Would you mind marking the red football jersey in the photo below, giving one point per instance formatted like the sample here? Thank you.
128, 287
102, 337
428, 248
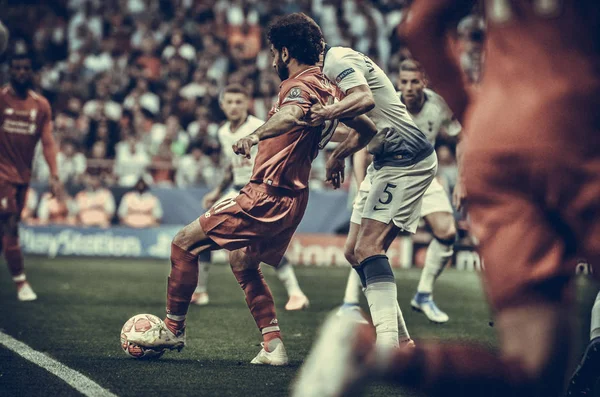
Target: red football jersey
21, 124
285, 161
541, 70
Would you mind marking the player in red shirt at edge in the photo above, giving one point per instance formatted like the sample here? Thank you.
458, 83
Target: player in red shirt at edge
532, 174
258, 224
25, 118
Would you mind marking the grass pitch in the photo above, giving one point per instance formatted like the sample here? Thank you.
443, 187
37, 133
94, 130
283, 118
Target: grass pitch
84, 302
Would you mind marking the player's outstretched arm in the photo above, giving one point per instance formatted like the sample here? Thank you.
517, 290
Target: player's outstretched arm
281, 122
358, 100
49, 150
361, 133
426, 32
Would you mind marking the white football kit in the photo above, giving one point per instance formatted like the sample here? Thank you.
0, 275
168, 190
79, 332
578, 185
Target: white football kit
241, 166
404, 162
435, 116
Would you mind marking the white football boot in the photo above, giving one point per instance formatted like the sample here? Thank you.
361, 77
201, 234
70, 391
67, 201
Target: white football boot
25, 293
424, 303
352, 311
277, 357
159, 337
297, 302
335, 366
200, 298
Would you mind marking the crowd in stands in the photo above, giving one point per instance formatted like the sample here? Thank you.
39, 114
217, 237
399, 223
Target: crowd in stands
134, 84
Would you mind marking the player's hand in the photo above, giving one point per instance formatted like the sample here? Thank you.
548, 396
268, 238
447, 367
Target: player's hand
56, 187
318, 114
334, 171
314, 116
211, 198
459, 195
244, 145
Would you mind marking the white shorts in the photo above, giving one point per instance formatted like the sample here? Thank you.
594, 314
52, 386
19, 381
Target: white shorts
436, 200
395, 194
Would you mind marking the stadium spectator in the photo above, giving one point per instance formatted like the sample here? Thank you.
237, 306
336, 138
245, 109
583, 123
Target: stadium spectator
212, 168
55, 210
197, 87
189, 168
131, 161
95, 205
102, 105
471, 34
178, 47
139, 208
71, 163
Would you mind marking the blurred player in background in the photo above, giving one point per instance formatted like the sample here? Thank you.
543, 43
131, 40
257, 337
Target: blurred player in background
25, 118
391, 196
433, 117
258, 224
586, 374
532, 168
234, 102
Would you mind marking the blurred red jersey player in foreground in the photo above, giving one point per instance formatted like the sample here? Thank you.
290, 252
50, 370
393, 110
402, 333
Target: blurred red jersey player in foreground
258, 224
25, 118
532, 172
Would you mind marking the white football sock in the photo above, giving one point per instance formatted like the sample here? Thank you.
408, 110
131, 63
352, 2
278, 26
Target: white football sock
595, 326
383, 303
435, 259
403, 334
353, 288
202, 277
287, 276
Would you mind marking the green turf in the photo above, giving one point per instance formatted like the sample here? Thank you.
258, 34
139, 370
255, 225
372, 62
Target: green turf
84, 302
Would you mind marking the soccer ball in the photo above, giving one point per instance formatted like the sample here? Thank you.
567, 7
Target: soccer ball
138, 324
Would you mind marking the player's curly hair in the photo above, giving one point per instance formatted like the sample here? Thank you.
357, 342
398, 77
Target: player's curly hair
300, 35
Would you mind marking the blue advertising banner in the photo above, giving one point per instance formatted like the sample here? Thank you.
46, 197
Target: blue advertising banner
118, 242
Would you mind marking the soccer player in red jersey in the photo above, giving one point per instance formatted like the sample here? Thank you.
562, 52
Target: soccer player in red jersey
532, 173
257, 225
25, 118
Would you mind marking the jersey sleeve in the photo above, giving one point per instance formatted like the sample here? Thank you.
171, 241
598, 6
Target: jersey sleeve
295, 92
346, 71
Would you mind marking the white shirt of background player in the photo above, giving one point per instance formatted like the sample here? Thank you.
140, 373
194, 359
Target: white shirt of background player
241, 166
435, 117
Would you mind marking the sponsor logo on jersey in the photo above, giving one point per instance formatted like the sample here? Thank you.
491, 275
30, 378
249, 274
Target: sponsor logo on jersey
344, 73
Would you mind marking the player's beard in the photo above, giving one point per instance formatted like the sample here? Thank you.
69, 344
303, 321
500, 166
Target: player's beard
282, 69
21, 86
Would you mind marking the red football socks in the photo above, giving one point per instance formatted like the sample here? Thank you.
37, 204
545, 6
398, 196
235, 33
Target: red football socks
182, 282
457, 370
260, 302
13, 255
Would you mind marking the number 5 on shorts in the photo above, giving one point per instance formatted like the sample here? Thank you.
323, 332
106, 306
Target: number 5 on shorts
388, 196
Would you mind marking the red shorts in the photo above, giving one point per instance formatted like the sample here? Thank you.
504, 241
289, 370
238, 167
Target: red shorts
261, 219
12, 198
535, 214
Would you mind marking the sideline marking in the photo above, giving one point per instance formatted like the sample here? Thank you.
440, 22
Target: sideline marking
76, 380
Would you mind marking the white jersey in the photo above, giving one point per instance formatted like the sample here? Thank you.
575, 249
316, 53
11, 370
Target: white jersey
241, 166
398, 141
435, 117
